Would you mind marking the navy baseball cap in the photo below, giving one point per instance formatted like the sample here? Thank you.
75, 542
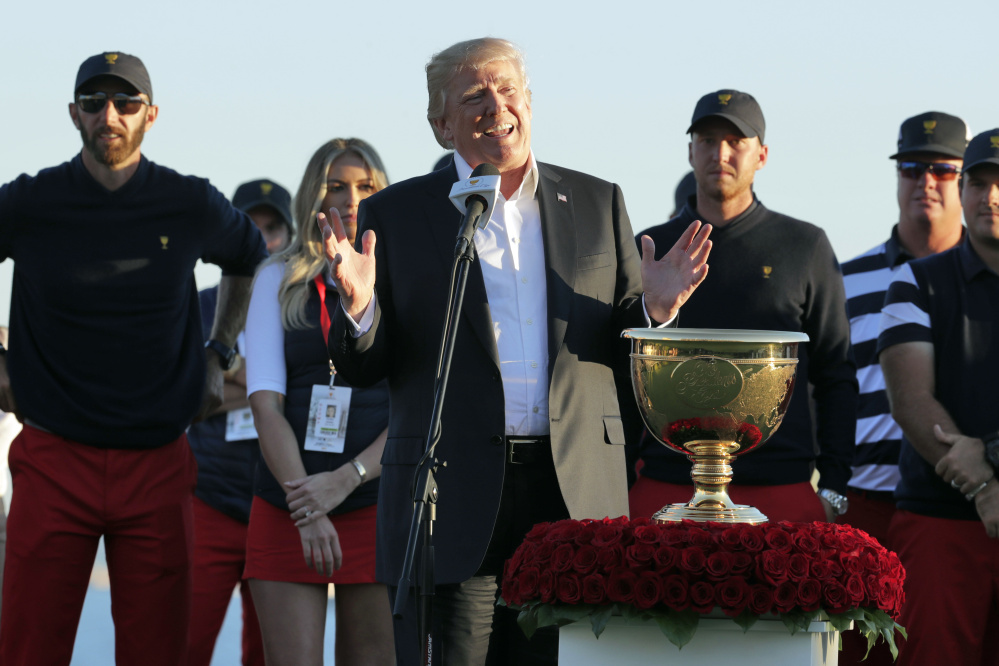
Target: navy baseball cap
933, 132
739, 108
126, 67
264, 192
983, 149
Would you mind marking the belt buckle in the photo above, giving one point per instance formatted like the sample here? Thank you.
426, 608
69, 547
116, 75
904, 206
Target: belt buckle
510, 443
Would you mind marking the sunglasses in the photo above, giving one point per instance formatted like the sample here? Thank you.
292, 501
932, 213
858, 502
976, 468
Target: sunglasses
939, 170
125, 105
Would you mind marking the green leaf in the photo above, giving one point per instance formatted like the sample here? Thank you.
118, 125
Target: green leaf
746, 620
841, 622
629, 612
546, 615
678, 626
567, 614
501, 602
528, 621
599, 619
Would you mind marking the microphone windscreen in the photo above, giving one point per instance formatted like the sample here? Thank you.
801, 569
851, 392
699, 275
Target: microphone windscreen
485, 169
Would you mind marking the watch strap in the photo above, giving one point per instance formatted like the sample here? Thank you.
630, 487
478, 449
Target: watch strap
227, 355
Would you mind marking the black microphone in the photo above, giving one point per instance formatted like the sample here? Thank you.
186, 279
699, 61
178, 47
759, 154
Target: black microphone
474, 197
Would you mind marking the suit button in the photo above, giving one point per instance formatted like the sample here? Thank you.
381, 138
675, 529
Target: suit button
496, 440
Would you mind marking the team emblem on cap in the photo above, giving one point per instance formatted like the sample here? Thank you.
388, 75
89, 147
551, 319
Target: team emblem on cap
929, 126
767, 270
164, 240
995, 141
724, 98
265, 188
110, 57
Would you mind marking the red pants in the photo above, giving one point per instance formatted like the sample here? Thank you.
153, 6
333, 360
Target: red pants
796, 502
67, 496
951, 591
872, 513
219, 558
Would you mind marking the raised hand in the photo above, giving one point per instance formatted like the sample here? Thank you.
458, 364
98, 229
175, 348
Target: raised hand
670, 281
353, 272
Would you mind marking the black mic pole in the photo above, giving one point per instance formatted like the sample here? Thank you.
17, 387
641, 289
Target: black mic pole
425, 491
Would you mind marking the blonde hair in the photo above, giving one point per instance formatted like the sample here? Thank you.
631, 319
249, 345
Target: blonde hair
304, 259
472, 54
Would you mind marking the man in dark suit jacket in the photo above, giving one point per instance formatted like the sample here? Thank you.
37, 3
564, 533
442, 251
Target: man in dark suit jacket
527, 437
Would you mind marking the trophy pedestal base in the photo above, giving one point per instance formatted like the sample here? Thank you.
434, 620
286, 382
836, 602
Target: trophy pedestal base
734, 513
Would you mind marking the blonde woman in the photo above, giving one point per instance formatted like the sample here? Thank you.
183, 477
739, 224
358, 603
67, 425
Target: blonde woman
313, 515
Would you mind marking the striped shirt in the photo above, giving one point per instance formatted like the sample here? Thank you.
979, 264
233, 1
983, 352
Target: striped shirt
866, 279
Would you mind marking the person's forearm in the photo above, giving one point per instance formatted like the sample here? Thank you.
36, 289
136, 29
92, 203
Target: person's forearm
230, 312
371, 457
234, 397
278, 444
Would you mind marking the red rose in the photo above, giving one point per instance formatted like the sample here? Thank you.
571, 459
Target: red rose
778, 540
585, 560
869, 561
585, 534
621, 586
594, 590
568, 589
692, 560
676, 593
537, 532
742, 563
546, 586
805, 542
647, 534
856, 591
752, 538
771, 567
511, 592
761, 599
719, 565
835, 598
640, 521
732, 595
640, 555
821, 570
666, 557
672, 535
543, 553
607, 535
609, 559
851, 564
797, 567
562, 531
562, 557
648, 590
702, 596
887, 596
698, 536
786, 597
809, 594
529, 579
730, 538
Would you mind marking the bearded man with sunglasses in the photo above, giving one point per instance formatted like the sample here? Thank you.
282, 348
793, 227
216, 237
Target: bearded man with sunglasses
108, 370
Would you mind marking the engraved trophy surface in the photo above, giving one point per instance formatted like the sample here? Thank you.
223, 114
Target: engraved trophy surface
712, 395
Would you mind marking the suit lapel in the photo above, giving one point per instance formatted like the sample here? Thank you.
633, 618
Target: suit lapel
444, 222
559, 231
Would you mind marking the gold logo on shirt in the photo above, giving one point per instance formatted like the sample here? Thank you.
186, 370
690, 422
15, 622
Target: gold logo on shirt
724, 98
265, 188
929, 126
164, 240
110, 57
995, 141
767, 270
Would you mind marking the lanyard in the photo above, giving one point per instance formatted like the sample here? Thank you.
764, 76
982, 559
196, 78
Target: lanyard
324, 318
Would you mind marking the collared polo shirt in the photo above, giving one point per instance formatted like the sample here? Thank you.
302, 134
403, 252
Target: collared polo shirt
951, 300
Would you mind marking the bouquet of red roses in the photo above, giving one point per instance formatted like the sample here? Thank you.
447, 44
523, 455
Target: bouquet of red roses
672, 573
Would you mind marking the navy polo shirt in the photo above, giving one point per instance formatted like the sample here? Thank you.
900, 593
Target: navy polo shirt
951, 300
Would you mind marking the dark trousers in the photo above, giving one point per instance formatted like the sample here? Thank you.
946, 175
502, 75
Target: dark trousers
469, 629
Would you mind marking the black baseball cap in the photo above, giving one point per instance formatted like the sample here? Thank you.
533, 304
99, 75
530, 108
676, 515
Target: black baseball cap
933, 132
126, 67
739, 108
983, 149
264, 192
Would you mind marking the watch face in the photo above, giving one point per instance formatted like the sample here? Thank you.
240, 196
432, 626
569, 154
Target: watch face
992, 452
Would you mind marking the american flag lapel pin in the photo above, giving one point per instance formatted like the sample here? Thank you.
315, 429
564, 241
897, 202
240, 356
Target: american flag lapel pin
561, 197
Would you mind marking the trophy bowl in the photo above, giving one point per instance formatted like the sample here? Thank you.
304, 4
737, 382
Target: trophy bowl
712, 394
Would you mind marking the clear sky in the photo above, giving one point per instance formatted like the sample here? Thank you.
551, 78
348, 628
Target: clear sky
250, 89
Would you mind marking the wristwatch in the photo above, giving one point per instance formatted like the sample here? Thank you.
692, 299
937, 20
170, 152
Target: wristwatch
840, 504
992, 449
226, 354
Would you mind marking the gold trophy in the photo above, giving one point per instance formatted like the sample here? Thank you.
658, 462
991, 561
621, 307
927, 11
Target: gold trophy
712, 395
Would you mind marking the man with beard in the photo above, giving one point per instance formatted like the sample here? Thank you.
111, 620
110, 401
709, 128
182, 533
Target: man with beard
939, 352
107, 371
769, 272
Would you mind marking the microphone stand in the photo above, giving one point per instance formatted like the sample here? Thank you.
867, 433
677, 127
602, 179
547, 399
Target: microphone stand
425, 491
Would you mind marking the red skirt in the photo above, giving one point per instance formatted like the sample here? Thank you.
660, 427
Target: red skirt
274, 548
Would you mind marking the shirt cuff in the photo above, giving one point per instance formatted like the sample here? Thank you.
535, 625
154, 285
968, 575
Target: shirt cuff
360, 328
649, 319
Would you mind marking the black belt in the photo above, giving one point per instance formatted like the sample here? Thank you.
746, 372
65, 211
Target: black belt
528, 450
879, 495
